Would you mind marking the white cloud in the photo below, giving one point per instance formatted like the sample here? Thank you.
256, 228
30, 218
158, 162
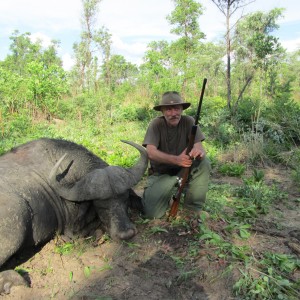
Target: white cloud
68, 61
135, 47
46, 40
291, 45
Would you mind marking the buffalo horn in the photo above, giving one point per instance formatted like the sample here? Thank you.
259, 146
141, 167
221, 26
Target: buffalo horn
101, 183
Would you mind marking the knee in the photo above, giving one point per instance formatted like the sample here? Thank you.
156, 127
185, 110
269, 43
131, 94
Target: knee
205, 164
153, 211
202, 166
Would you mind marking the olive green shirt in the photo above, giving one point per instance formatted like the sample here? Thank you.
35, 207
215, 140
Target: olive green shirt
171, 140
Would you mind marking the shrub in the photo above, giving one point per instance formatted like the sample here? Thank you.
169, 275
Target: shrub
232, 169
286, 113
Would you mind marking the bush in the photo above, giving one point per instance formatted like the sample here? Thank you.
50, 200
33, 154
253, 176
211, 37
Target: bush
247, 110
286, 114
232, 169
132, 112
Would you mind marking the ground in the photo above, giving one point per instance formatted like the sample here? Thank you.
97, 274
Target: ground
152, 265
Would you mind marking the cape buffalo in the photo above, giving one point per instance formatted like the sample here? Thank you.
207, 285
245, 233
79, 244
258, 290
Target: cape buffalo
50, 186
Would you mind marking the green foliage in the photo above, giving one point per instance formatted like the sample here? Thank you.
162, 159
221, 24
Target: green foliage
45, 85
12, 89
213, 114
19, 128
271, 281
119, 71
18, 124
132, 112
296, 176
241, 229
256, 196
156, 229
87, 270
212, 153
217, 197
64, 249
32, 77
223, 248
253, 39
292, 160
220, 127
232, 169
285, 263
247, 111
186, 12
285, 114
78, 246
213, 106
226, 133
258, 175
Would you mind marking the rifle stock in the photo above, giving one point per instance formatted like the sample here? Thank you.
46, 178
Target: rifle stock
186, 171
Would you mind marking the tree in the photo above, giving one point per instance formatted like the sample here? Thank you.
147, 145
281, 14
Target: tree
119, 70
228, 8
86, 62
45, 86
208, 63
102, 39
93, 52
31, 76
291, 74
24, 50
256, 50
50, 56
185, 18
156, 73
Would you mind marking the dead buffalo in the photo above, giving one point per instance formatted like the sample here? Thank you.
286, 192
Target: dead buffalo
50, 186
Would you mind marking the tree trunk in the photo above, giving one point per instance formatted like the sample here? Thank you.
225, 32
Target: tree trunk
228, 50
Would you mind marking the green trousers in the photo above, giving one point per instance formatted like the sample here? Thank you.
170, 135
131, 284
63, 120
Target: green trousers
161, 187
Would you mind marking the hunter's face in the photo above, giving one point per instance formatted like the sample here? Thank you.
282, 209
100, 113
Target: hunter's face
172, 114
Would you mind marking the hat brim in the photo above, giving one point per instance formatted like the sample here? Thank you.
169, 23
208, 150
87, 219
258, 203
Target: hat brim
184, 105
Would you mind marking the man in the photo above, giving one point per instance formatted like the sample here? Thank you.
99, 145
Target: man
166, 141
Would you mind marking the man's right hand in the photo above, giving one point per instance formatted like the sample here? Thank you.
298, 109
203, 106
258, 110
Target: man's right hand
184, 160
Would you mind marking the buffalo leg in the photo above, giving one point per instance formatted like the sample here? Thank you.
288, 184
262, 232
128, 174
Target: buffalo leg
14, 224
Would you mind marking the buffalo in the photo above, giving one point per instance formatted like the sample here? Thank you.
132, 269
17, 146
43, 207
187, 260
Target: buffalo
50, 186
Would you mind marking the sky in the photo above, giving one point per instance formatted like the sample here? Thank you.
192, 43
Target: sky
133, 24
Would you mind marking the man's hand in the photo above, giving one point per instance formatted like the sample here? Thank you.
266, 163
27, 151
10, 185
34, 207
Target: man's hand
181, 160
197, 152
184, 160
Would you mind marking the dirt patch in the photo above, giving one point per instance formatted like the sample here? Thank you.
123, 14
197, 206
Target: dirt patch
158, 263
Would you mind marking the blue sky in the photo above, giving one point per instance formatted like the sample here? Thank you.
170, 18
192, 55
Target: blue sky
132, 23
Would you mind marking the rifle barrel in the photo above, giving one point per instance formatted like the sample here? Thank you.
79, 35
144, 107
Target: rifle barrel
200, 102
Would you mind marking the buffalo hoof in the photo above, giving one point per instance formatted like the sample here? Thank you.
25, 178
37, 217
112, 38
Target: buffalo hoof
9, 279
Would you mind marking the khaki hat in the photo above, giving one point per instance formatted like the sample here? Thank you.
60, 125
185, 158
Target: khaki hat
171, 99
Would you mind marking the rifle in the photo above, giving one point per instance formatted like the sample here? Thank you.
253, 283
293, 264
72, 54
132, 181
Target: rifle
186, 171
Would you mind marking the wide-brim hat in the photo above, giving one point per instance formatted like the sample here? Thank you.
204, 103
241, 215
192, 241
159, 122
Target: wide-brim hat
171, 99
